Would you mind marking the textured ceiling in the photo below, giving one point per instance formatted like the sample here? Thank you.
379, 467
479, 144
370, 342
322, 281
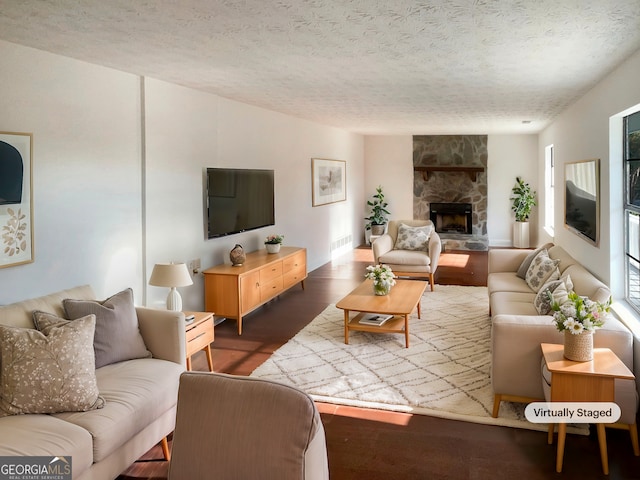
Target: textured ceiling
368, 66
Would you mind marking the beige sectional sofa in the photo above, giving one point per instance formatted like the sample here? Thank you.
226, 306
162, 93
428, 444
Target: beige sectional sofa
518, 329
138, 396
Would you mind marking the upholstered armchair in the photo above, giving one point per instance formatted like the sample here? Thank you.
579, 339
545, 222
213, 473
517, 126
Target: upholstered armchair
232, 427
410, 247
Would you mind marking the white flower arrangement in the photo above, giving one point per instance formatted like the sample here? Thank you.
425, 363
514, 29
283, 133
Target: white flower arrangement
381, 275
579, 314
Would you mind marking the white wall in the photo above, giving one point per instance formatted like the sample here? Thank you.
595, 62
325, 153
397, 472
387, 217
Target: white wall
389, 162
86, 172
582, 132
111, 200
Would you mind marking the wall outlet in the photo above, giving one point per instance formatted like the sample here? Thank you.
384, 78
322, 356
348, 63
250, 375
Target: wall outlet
194, 266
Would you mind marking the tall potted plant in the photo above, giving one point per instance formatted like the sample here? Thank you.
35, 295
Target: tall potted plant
377, 220
523, 199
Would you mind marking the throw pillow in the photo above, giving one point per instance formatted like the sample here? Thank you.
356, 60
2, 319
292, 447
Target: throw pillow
559, 290
117, 334
542, 270
48, 370
524, 266
413, 238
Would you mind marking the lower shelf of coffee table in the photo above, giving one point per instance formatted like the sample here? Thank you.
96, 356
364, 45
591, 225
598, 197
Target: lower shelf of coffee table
393, 325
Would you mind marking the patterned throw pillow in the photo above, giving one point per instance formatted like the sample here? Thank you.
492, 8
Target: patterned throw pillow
48, 370
117, 334
413, 238
542, 270
559, 290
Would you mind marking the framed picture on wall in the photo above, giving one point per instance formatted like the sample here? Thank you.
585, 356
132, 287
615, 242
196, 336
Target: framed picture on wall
582, 199
328, 181
16, 199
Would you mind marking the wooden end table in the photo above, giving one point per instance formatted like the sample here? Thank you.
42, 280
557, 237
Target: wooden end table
591, 381
199, 335
403, 299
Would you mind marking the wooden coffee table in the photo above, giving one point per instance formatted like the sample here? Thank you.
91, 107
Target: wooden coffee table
402, 300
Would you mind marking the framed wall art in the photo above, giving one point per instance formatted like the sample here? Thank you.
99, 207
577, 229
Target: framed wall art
16, 199
328, 181
582, 199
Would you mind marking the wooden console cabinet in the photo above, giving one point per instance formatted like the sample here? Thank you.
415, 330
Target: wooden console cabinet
233, 292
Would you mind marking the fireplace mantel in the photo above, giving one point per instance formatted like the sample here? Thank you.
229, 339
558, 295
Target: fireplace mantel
472, 172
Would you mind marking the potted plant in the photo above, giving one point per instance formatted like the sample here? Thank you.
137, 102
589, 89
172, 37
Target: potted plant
523, 199
272, 243
377, 220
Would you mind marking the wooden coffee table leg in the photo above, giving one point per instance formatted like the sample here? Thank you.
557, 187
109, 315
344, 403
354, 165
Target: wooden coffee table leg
419, 311
406, 330
346, 327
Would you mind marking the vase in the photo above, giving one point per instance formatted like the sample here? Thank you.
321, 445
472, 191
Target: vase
237, 255
578, 348
381, 288
272, 247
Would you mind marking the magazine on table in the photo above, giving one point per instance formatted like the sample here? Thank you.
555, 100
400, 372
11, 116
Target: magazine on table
376, 319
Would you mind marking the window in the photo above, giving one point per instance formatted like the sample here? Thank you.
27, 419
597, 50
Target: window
549, 192
631, 157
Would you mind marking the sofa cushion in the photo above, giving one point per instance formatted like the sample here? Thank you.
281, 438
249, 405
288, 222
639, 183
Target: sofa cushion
542, 270
412, 238
553, 291
524, 266
406, 257
45, 435
515, 303
506, 282
48, 370
117, 335
136, 393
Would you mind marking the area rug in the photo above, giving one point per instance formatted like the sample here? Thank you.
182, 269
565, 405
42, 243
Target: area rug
444, 373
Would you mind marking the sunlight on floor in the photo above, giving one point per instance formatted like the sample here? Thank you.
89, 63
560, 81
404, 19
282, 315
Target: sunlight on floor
458, 260
384, 416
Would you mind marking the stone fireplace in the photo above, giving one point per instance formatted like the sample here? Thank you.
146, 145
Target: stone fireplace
452, 217
450, 172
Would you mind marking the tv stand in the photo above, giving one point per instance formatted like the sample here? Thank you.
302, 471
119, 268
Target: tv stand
233, 292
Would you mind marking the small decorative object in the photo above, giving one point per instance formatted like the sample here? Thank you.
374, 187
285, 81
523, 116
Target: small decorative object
578, 318
383, 278
377, 220
273, 242
237, 255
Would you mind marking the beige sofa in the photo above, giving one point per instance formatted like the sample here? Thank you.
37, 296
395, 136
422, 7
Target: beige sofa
518, 330
140, 397
420, 263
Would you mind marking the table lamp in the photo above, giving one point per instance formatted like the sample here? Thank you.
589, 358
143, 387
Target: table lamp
171, 275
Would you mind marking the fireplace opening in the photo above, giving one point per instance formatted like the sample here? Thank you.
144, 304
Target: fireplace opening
452, 217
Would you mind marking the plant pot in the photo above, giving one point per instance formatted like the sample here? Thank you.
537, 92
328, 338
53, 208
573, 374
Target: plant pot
521, 234
377, 229
272, 247
578, 348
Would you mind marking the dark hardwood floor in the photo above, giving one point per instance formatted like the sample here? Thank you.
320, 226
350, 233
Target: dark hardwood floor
371, 444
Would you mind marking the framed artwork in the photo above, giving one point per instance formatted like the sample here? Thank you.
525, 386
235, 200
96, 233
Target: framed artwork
16, 199
328, 181
582, 199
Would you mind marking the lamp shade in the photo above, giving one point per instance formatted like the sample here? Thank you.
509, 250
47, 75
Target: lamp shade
170, 275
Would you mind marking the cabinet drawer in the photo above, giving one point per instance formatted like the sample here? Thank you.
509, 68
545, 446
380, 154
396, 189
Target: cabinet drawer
199, 337
270, 272
294, 261
270, 289
294, 276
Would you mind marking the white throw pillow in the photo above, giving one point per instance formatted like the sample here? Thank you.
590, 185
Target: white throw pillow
559, 290
413, 238
542, 270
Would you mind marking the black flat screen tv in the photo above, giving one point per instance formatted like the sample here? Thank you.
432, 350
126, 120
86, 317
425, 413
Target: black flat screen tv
239, 200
